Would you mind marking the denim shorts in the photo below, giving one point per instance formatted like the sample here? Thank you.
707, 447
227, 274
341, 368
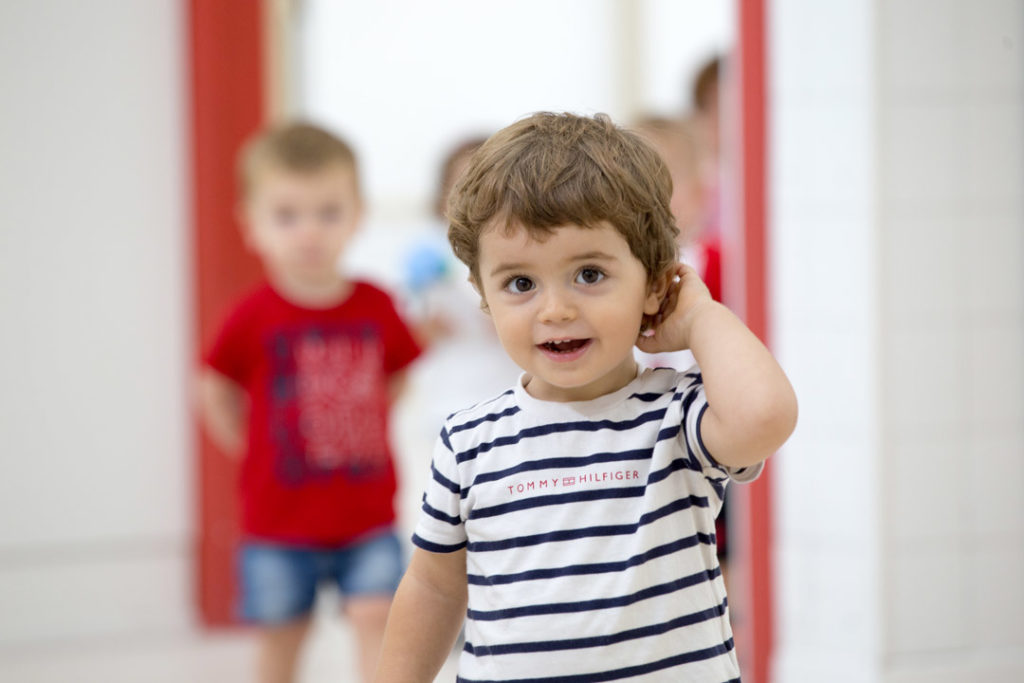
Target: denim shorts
278, 583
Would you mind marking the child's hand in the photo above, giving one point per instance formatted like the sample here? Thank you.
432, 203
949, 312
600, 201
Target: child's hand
669, 328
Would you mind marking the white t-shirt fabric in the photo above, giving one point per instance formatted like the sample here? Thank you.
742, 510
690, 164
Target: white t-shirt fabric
589, 531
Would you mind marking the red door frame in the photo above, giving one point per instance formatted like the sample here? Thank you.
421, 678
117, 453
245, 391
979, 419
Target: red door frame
225, 49
752, 265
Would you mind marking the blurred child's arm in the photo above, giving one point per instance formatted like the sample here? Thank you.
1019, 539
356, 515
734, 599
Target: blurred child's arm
222, 410
396, 385
751, 405
425, 618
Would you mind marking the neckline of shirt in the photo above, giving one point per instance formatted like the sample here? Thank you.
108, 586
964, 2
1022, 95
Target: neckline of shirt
350, 293
594, 406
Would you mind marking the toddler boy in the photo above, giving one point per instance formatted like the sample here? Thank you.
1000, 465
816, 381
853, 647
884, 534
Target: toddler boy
300, 379
570, 520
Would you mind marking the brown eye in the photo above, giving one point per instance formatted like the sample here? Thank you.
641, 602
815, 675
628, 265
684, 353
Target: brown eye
519, 285
589, 276
286, 217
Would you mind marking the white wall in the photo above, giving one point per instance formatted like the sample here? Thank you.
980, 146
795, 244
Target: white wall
824, 269
951, 219
95, 496
898, 267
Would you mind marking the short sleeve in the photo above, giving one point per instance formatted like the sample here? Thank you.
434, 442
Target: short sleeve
233, 353
695, 405
440, 528
400, 347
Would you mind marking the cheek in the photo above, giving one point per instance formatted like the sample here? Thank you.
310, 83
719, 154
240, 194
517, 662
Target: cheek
624, 321
512, 328
504, 327
260, 239
340, 235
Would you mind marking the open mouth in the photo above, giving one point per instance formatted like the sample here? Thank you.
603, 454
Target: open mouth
564, 346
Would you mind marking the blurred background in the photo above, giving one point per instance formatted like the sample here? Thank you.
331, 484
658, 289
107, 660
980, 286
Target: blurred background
872, 183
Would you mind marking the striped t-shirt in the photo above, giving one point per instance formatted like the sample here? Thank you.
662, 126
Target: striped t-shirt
589, 535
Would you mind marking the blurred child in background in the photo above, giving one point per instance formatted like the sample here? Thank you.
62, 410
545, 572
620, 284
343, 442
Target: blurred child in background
705, 93
677, 143
299, 382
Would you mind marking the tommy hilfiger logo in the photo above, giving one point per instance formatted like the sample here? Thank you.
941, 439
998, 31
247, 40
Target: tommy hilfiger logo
574, 481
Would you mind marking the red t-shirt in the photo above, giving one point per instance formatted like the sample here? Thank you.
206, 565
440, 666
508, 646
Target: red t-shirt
706, 257
712, 274
318, 468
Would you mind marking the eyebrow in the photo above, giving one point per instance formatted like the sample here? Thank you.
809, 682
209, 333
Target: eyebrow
585, 256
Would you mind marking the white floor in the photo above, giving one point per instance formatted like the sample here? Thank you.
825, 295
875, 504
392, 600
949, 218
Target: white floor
214, 657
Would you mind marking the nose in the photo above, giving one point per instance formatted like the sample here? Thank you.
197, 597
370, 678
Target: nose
308, 232
557, 306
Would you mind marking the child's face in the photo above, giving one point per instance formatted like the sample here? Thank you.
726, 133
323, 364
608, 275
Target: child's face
567, 309
299, 223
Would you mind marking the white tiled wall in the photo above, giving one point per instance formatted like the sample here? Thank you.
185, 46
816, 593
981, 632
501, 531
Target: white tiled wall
951, 122
897, 138
94, 437
824, 262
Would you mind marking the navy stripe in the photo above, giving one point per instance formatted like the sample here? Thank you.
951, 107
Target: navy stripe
544, 430
688, 398
590, 532
662, 474
443, 480
649, 396
719, 487
561, 463
597, 641
692, 462
444, 439
700, 439
697, 464
490, 417
598, 604
669, 433
436, 547
694, 377
439, 515
596, 568
477, 407
717, 483
630, 671
557, 499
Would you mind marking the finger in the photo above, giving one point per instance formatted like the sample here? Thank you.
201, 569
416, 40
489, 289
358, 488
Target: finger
668, 303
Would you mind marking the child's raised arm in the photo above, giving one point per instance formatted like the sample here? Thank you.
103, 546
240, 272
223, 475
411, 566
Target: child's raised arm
751, 405
425, 618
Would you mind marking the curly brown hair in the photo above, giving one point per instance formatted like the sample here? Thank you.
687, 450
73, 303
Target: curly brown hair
554, 169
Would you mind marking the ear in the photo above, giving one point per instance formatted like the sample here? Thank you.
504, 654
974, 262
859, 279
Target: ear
656, 291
